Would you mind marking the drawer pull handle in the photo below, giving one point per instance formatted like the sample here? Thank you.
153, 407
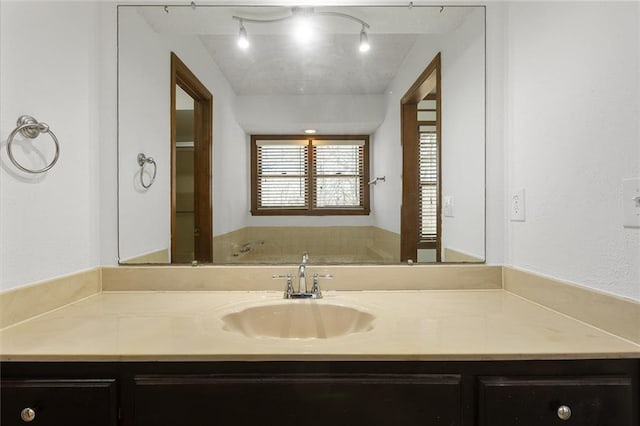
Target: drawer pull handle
564, 412
28, 415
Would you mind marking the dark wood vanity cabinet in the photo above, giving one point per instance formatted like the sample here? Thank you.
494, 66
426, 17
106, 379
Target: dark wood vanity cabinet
367, 393
54, 402
532, 401
298, 399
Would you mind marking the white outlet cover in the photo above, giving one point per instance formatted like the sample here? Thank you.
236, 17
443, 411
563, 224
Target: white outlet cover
631, 202
517, 206
447, 205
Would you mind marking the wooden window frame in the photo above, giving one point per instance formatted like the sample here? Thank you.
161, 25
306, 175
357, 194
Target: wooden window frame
310, 210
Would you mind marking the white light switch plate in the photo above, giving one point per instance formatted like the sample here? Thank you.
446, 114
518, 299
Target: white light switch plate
631, 202
447, 206
517, 205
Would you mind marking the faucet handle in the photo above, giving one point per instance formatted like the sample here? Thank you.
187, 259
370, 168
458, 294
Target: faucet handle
327, 276
289, 288
316, 282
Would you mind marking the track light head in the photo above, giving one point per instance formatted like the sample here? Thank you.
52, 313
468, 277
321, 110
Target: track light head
243, 40
364, 41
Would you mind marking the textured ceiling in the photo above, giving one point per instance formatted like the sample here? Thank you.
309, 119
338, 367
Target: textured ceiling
330, 63
276, 64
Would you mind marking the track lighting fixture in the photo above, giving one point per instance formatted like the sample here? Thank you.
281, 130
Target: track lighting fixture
305, 12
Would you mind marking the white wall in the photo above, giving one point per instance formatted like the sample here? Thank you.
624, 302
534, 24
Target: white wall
572, 134
106, 154
48, 63
144, 81
463, 133
328, 114
145, 88
494, 154
462, 128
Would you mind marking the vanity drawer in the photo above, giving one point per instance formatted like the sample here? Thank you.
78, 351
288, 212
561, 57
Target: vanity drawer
59, 402
299, 399
582, 401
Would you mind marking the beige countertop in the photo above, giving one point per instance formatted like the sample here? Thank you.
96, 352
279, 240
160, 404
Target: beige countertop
408, 325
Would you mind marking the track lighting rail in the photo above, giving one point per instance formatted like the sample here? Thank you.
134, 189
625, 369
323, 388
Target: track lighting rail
298, 11
243, 40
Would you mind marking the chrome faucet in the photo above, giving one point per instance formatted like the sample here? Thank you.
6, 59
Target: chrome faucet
302, 292
315, 292
302, 274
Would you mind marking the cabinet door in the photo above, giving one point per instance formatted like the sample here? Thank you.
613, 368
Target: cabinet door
59, 402
309, 400
585, 401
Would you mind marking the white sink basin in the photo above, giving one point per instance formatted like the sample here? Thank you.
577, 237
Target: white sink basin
299, 319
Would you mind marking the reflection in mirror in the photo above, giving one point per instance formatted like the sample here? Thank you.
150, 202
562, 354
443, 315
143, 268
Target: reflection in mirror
191, 221
278, 86
185, 179
421, 224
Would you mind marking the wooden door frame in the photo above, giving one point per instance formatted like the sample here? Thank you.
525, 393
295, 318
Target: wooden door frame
410, 150
182, 76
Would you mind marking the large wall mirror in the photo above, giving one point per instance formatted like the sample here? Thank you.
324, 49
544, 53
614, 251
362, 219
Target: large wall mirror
356, 134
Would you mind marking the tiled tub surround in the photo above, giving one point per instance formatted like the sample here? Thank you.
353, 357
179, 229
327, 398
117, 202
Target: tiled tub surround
444, 314
327, 244
158, 256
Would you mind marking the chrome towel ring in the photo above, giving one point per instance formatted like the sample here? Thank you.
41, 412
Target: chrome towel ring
142, 161
30, 128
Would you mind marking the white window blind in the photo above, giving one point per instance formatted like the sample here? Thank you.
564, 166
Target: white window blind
319, 176
338, 172
428, 157
282, 174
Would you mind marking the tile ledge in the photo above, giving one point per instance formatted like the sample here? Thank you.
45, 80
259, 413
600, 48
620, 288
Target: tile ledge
66, 305
612, 313
17, 304
36, 284
568, 283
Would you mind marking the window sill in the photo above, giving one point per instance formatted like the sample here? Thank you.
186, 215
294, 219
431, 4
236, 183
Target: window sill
315, 212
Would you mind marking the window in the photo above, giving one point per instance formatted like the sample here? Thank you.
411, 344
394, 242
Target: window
428, 178
323, 175
428, 164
